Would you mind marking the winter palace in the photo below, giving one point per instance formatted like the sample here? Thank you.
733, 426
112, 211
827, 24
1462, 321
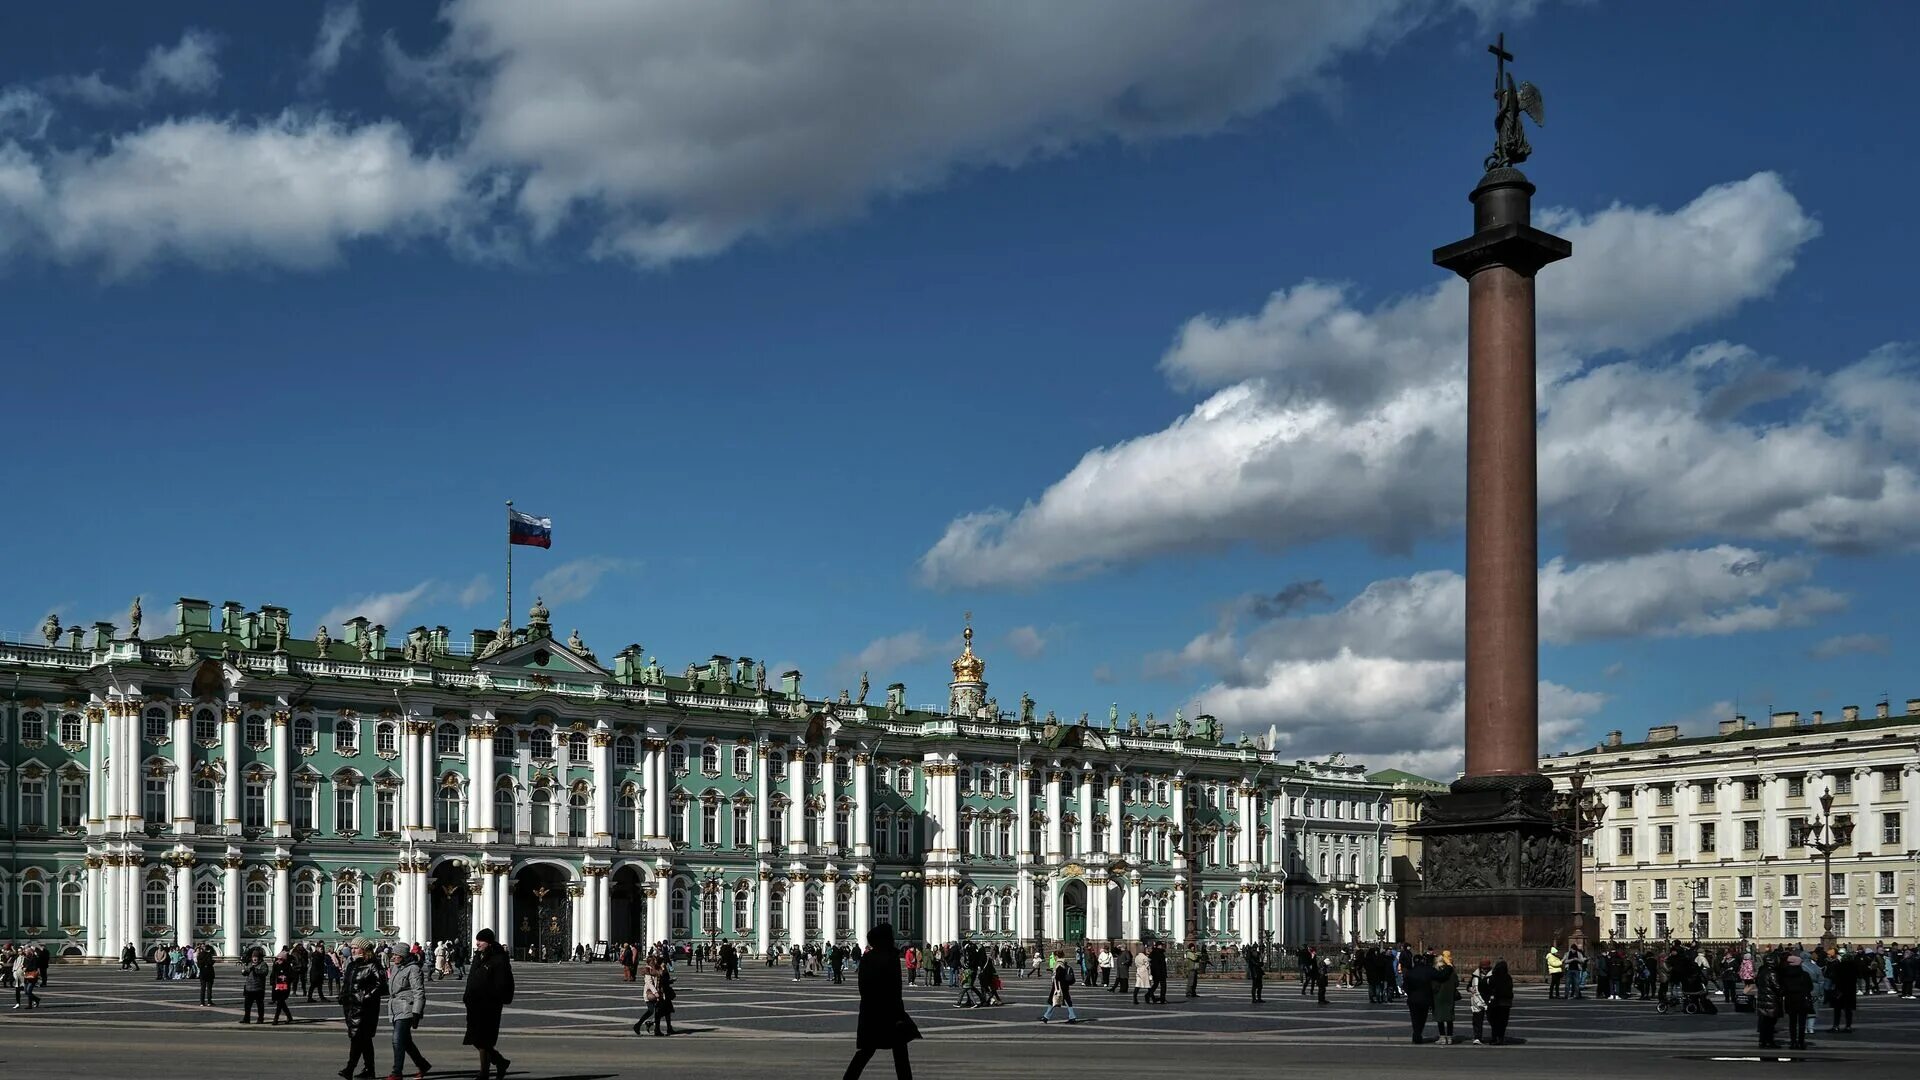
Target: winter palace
1715, 836
231, 783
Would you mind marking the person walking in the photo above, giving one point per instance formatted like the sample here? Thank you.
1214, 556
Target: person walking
1196, 959
1446, 994
1142, 976
1479, 996
406, 1005
203, 966
1062, 995
1556, 971
659, 991
1157, 966
280, 984
489, 990
1796, 998
1256, 975
1500, 1005
883, 1021
253, 986
362, 986
1420, 996
26, 978
1768, 1003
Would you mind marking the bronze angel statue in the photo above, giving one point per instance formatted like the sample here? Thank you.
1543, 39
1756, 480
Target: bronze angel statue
1510, 136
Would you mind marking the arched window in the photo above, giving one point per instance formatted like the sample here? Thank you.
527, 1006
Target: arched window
623, 811
383, 905
306, 903
903, 833
677, 757
346, 734
811, 907
303, 733
256, 729
447, 738
1006, 783
449, 808
542, 744
253, 804
206, 904
742, 825
843, 826
843, 772
813, 770
33, 904
742, 760
503, 742
843, 909
577, 748
156, 724
903, 780
504, 810
777, 764
206, 726
577, 815
903, 915
542, 823
1163, 910
1006, 913
71, 729
625, 753
883, 907
1323, 864
710, 759
882, 833
682, 917
386, 738
969, 913
883, 778
346, 906
154, 907
742, 910
777, 910
254, 905
72, 904
33, 727
966, 781
154, 800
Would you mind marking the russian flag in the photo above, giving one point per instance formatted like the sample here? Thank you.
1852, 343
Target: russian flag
529, 530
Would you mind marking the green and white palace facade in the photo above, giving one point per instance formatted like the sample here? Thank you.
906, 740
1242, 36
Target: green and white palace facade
229, 783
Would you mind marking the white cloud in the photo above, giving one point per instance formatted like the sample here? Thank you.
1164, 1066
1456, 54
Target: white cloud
24, 113
285, 192
677, 130
1026, 642
187, 68
475, 591
576, 579
1848, 644
1333, 421
380, 609
891, 653
339, 31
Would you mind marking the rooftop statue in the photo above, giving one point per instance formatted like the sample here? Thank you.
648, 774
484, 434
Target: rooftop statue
863, 688
322, 641
760, 677
133, 620
502, 639
1026, 707
51, 629
1510, 137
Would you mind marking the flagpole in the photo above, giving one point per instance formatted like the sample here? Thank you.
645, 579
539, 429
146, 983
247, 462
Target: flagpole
509, 562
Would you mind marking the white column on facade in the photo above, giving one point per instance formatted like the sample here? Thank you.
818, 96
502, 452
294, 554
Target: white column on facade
797, 794
230, 905
1773, 820
649, 756
1116, 814
577, 929
830, 927
796, 906
1180, 823
90, 908
134, 897
407, 926
588, 914
1249, 915
183, 902
1083, 798
116, 768
282, 777
1055, 814
602, 758
1181, 897
429, 769
603, 905
479, 791
862, 811
762, 895
862, 907
503, 904
110, 906
481, 776
230, 783
1131, 915
96, 769
762, 814
488, 912
282, 901
182, 768
1686, 845
1023, 826
1277, 834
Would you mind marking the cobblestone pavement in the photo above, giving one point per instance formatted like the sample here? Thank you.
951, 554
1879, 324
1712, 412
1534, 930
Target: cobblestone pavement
809, 1025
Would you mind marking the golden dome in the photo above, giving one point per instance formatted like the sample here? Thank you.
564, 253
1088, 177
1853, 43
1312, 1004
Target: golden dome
968, 667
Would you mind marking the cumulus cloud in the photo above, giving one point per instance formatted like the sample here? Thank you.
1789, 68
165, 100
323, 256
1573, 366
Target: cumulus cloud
188, 67
285, 192
339, 31
1848, 645
1328, 420
380, 609
885, 656
576, 579
1026, 642
677, 130
1288, 600
1383, 675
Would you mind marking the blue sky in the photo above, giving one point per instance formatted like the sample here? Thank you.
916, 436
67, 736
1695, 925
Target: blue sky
813, 327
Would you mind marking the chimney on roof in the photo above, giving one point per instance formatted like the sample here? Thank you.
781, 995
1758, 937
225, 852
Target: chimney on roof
1913, 706
379, 635
1849, 713
1663, 733
356, 629
790, 684
230, 617
481, 639
1880, 711
194, 616
1612, 739
1819, 716
1785, 719
1728, 727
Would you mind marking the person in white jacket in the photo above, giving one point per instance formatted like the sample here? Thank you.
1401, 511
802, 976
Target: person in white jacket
406, 1005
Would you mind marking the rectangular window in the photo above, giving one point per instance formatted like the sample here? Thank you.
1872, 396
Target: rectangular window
206, 802
1886, 883
1660, 928
1890, 830
346, 809
1790, 924
503, 745
1619, 924
742, 831
1843, 784
1663, 795
153, 800
386, 818
254, 911
1796, 832
1620, 891
73, 803
710, 825
1745, 922
1707, 795
1746, 887
677, 823
1837, 884
1749, 791
1659, 888
1840, 922
1749, 836
1886, 922
1790, 885
1664, 840
254, 805
33, 803
256, 733
1709, 837
305, 799
1626, 841
1796, 787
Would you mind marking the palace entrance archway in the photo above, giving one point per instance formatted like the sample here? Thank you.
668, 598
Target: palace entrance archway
450, 903
542, 913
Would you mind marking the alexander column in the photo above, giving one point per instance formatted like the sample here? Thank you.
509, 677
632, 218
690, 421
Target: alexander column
1496, 864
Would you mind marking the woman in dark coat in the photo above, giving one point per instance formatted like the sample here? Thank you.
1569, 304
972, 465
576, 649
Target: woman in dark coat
489, 989
1501, 1006
884, 1023
363, 988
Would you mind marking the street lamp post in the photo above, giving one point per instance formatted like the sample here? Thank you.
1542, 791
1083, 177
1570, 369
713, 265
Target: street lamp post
1826, 835
1695, 886
1584, 811
711, 878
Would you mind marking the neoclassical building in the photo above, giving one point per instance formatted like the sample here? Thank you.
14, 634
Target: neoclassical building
230, 783
1707, 836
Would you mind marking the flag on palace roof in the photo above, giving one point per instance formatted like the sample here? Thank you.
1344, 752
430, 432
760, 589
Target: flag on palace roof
529, 530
